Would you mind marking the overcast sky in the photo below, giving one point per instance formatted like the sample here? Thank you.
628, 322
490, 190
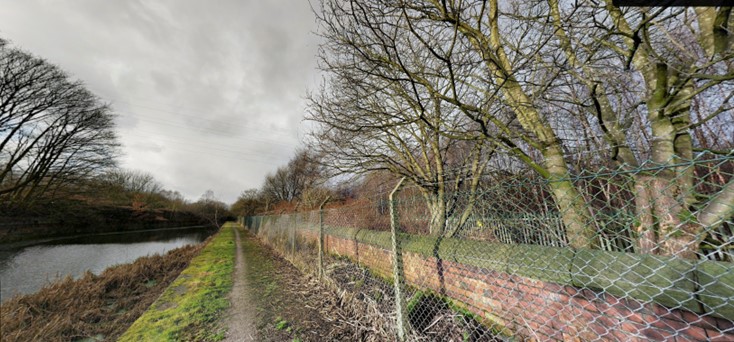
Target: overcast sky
209, 94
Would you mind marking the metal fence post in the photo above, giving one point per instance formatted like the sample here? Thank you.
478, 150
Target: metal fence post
293, 234
398, 275
321, 237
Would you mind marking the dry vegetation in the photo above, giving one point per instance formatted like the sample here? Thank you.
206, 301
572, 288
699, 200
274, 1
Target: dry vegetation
95, 307
369, 302
290, 305
353, 304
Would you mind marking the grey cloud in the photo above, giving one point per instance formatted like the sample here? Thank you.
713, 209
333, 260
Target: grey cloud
209, 94
164, 83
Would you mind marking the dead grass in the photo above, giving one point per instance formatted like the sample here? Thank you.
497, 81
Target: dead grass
369, 302
359, 305
94, 307
339, 312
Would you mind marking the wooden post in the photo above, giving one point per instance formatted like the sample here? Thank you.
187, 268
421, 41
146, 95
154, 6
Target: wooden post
321, 237
397, 267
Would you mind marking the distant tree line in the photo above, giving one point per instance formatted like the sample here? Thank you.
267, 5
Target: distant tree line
298, 185
58, 144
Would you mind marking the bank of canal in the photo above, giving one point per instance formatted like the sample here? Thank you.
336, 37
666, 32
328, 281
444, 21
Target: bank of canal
191, 307
94, 307
248, 293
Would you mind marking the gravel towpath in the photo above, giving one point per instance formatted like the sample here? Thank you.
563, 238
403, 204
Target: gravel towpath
241, 315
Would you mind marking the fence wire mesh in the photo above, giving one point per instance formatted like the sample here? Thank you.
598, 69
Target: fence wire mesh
627, 254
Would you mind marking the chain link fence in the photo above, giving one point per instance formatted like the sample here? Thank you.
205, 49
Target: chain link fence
640, 253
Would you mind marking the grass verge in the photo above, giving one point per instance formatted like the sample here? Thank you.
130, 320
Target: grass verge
189, 309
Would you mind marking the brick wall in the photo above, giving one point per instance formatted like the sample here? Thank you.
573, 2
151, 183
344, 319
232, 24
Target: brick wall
538, 309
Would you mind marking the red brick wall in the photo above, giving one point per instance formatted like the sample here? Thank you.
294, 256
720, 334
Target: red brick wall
538, 309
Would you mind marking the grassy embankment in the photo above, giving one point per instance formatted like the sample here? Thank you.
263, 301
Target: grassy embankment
94, 307
188, 310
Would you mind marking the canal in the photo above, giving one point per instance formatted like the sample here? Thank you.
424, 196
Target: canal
26, 267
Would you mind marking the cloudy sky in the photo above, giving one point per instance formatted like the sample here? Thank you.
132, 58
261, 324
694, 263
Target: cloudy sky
209, 94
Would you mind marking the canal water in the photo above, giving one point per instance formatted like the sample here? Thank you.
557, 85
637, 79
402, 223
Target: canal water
28, 267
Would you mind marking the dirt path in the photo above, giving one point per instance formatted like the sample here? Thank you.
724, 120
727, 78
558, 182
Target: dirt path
273, 301
241, 315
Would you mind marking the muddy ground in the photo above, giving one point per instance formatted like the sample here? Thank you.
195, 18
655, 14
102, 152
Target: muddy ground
349, 304
283, 304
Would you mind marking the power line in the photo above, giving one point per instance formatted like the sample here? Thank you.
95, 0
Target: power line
178, 113
229, 154
195, 139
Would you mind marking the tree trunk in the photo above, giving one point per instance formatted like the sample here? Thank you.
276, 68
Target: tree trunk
437, 210
571, 204
664, 210
646, 240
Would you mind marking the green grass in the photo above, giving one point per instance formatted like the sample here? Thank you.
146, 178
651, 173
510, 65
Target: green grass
280, 323
189, 309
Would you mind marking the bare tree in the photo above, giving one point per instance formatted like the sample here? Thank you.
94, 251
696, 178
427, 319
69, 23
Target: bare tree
132, 181
210, 208
373, 118
130, 187
545, 81
53, 131
678, 57
175, 200
248, 203
289, 182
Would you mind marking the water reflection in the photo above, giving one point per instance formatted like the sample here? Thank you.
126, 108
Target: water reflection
27, 269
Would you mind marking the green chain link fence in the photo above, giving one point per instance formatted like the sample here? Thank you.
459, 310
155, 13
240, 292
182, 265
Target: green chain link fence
639, 253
